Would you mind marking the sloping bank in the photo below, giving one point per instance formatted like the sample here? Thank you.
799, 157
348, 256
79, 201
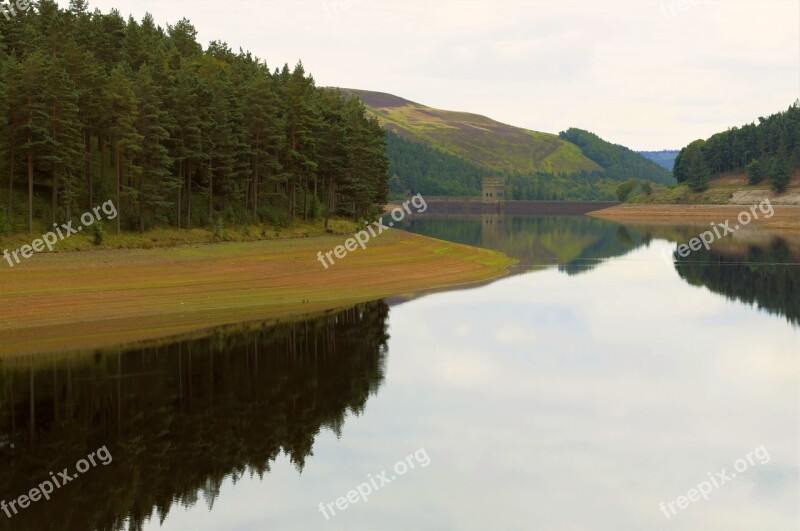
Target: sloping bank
72, 301
785, 219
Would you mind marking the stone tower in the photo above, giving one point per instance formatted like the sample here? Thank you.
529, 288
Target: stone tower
494, 190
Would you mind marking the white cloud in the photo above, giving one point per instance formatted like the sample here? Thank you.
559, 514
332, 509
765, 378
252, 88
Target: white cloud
647, 74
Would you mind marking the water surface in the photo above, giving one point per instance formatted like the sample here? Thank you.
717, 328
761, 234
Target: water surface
596, 382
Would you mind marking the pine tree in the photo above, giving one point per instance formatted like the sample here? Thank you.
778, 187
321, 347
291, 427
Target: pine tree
265, 131
63, 151
779, 174
755, 173
120, 107
33, 123
156, 184
302, 122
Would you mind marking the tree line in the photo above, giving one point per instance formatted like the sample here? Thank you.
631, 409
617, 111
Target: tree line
416, 167
618, 162
98, 107
767, 150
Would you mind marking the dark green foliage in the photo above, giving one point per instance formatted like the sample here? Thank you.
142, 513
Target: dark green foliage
779, 173
419, 168
775, 137
624, 190
98, 233
95, 108
618, 162
691, 168
755, 172
5, 226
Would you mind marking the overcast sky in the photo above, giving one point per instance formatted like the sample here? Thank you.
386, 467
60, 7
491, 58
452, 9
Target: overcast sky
648, 74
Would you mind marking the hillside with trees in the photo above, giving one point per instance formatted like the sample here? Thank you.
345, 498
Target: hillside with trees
477, 139
97, 107
417, 167
437, 152
767, 151
618, 162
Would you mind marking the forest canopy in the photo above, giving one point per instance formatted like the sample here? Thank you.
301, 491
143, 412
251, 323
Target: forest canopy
769, 149
97, 107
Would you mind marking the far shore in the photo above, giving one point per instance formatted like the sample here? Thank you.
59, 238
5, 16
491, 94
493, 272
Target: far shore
785, 221
86, 300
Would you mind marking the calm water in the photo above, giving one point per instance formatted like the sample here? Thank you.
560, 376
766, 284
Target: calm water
596, 382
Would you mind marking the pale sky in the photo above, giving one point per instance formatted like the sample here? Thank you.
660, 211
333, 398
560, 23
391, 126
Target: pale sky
649, 74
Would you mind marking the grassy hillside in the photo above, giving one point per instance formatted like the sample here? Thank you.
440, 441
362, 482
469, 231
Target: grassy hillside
417, 167
477, 139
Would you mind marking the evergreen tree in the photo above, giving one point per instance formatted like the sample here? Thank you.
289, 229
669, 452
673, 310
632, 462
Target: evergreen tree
779, 174
755, 174
33, 123
156, 184
63, 153
120, 107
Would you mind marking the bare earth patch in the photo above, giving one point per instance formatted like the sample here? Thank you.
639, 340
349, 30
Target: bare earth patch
786, 219
82, 300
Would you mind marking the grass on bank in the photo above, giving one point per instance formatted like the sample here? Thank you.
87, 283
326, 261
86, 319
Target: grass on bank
72, 301
173, 237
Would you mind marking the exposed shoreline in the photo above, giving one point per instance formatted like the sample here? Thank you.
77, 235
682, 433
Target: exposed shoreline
74, 301
785, 221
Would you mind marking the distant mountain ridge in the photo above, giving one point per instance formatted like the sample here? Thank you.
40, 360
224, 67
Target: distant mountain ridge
664, 158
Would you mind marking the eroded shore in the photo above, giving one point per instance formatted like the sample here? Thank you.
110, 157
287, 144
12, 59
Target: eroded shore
72, 301
784, 221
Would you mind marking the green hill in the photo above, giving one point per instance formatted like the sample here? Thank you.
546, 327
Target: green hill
619, 162
477, 139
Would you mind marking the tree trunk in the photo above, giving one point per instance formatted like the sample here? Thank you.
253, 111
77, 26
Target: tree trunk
189, 196
102, 147
88, 156
118, 156
55, 195
305, 202
255, 190
141, 203
11, 172
210, 196
329, 189
30, 169
55, 170
180, 188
